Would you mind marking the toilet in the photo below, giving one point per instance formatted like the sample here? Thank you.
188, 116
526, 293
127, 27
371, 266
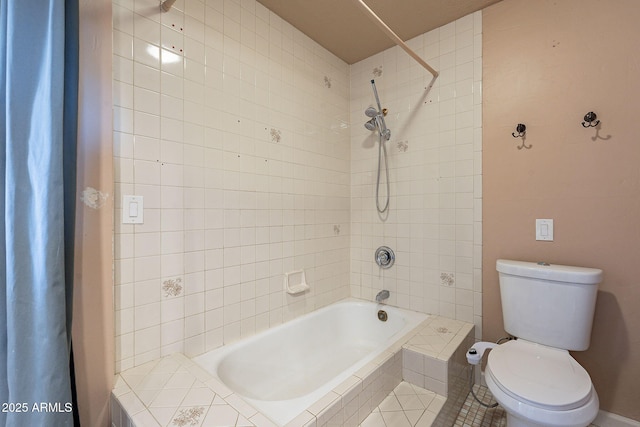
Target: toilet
549, 309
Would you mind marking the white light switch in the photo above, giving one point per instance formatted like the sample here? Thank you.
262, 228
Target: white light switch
544, 229
132, 210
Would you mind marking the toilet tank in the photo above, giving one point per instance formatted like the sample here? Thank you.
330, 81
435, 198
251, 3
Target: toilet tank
551, 305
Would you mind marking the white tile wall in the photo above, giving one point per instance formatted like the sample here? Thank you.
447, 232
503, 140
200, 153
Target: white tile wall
233, 125
435, 156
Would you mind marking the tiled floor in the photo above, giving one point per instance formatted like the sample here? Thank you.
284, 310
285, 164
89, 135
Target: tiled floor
473, 414
409, 405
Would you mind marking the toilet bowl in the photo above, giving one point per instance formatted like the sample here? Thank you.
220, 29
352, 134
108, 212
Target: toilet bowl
540, 386
549, 309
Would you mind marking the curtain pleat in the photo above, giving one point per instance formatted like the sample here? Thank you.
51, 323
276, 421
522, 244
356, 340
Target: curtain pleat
38, 121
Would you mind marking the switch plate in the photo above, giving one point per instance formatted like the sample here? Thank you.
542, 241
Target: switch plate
132, 209
544, 230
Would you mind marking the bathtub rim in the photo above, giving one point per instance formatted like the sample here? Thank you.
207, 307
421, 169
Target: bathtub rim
225, 349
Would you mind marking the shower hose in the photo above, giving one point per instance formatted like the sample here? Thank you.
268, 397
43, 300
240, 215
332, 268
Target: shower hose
381, 148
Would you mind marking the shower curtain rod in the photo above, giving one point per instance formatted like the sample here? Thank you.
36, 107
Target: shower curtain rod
396, 39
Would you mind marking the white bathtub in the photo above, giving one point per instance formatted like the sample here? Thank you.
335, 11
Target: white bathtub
283, 370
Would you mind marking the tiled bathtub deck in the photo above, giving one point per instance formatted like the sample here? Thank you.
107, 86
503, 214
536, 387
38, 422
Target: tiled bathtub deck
174, 391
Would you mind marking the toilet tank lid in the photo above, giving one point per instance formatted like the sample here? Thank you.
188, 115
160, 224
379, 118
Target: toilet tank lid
546, 271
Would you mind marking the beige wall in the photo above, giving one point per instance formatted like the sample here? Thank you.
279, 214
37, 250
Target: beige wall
93, 301
546, 64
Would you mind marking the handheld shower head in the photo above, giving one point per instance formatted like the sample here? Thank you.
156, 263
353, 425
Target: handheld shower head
371, 124
377, 116
371, 112
378, 123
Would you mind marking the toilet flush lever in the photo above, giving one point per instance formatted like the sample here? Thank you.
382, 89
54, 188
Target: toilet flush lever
475, 353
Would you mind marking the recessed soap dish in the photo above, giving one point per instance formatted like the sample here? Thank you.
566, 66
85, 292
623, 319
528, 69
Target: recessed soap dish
295, 282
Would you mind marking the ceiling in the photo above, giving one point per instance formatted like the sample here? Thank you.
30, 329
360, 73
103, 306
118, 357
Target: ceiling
344, 29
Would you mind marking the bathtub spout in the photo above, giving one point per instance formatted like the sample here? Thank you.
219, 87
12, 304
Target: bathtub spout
382, 295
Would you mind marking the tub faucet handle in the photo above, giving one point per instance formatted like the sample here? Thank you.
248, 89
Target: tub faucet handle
382, 295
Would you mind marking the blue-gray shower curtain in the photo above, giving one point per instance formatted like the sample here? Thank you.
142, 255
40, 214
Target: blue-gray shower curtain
38, 122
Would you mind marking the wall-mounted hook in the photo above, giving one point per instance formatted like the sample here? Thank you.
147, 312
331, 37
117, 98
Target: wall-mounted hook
590, 120
521, 129
521, 132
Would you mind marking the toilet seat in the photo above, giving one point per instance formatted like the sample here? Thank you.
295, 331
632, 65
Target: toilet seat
541, 376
